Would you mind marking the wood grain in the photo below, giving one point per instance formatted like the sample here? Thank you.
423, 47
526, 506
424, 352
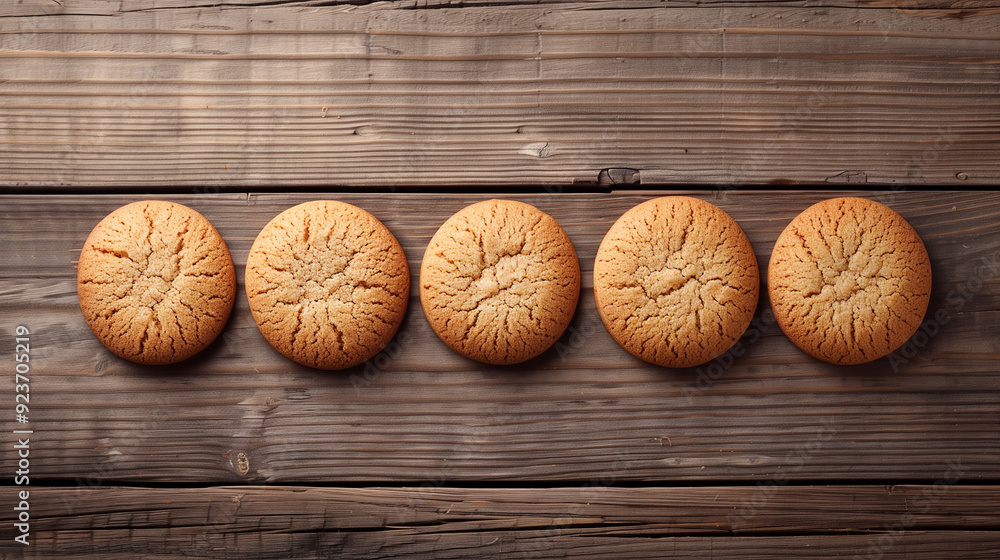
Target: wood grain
583, 452
924, 545
588, 521
585, 410
38, 8
290, 94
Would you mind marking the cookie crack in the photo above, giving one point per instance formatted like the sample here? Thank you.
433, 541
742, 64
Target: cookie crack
118, 253
489, 277
338, 335
142, 340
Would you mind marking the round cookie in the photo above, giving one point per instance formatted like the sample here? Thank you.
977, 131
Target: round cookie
676, 281
849, 280
155, 282
499, 282
327, 284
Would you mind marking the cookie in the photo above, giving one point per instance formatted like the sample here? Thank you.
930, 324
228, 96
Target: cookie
499, 282
676, 281
327, 284
155, 282
849, 280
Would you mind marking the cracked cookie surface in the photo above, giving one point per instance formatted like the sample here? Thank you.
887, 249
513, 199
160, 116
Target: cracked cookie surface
499, 281
327, 283
156, 282
676, 281
849, 280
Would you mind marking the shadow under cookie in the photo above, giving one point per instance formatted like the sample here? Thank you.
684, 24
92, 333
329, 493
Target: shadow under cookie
849, 280
676, 281
499, 282
156, 282
327, 284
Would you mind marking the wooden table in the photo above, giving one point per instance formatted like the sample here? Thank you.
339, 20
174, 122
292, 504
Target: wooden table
413, 110
449, 93
582, 451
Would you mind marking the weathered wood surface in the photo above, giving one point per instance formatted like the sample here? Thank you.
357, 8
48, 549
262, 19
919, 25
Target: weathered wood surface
583, 411
589, 521
36, 8
537, 545
158, 93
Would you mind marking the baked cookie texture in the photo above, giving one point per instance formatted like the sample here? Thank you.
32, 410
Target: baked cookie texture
849, 280
676, 281
156, 282
327, 284
499, 282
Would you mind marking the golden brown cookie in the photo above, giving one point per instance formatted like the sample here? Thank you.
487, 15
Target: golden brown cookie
676, 281
156, 282
327, 284
499, 281
849, 280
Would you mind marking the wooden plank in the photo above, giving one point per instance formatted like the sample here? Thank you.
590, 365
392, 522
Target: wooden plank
932, 545
589, 521
583, 410
38, 8
298, 95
